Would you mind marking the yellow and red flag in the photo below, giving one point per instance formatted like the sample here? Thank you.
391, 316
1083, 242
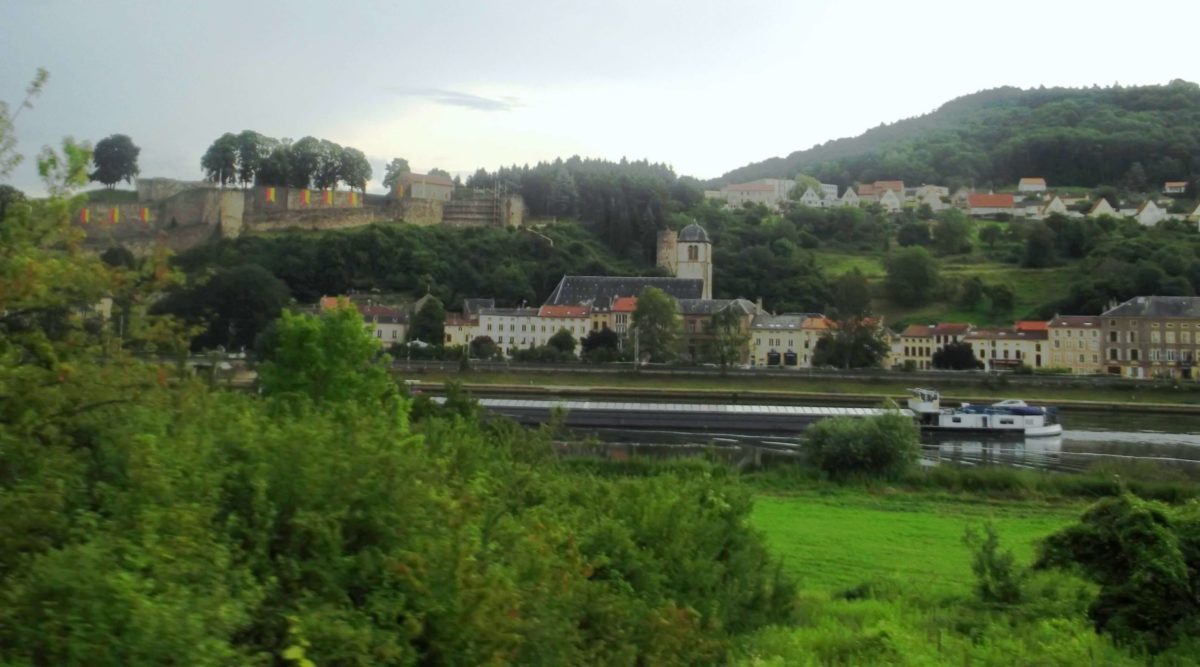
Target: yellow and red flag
270, 195
114, 215
353, 198
85, 215
305, 197
327, 197
144, 214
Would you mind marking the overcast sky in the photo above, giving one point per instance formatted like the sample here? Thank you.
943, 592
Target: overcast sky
702, 85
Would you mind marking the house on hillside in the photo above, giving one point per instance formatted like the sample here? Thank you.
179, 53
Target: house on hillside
979, 204
890, 201
961, 197
1102, 207
1031, 185
424, 186
932, 200
849, 198
767, 191
1195, 214
811, 199
1174, 187
1149, 214
895, 186
1055, 205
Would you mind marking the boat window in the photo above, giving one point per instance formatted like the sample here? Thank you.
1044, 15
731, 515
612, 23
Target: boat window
958, 420
1006, 421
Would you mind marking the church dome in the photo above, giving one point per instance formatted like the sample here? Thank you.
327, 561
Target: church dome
693, 233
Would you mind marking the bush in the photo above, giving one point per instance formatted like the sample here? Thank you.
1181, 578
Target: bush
881, 447
997, 580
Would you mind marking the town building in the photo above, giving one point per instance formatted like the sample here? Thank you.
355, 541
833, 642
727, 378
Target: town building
424, 186
1149, 214
1102, 207
1007, 349
767, 191
1152, 336
1054, 205
811, 199
698, 314
1034, 185
980, 204
890, 202
1174, 187
785, 341
850, 198
688, 256
1075, 343
919, 342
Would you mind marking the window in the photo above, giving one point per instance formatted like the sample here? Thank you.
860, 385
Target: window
379, 333
1112, 336
394, 335
1133, 355
1132, 337
693, 253
1171, 337
1154, 337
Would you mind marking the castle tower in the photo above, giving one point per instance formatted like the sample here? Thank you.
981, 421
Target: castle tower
693, 256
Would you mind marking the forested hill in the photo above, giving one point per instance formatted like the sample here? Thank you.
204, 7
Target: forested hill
1132, 136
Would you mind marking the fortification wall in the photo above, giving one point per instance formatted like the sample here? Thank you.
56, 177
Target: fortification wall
161, 189
420, 212
315, 219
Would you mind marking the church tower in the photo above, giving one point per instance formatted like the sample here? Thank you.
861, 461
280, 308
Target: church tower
693, 257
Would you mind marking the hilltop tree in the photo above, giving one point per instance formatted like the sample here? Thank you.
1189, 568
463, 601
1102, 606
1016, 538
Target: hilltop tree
221, 159
439, 172
391, 173
304, 159
914, 233
952, 233
9, 196
1040, 250
115, 158
656, 325
912, 276
328, 169
354, 169
252, 151
850, 295
803, 183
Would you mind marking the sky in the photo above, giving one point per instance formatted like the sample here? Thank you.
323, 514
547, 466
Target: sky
701, 85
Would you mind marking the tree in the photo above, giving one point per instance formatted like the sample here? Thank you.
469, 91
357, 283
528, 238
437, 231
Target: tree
1040, 249
115, 157
9, 157
354, 169
914, 233
853, 343
328, 169
234, 306
429, 323
803, 183
657, 326
957, 356
304, 159
220, 161
9, 196
439, 172
972, 292
600, 346
563, 342
952, 233
990, 235
880, 447
728, 338
483, 347
328, 358
391, 173
252, 151
276, 169
1002, 299
850, 295
912, 276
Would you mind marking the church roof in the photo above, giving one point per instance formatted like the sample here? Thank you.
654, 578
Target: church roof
600, 291
693, 233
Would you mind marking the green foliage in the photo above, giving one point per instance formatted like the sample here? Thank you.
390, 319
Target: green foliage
853, 343
958, 356
483, 347
1040, 249
9, 157
429, 323
880, 447
914, 232
601, 345
220, 161
850, 296
952, 233
115, 158
232, 307
1073, 136
1146, 559
997, 579
391, 174
727, 338
912, 276
657, 326
330, 357
563, 341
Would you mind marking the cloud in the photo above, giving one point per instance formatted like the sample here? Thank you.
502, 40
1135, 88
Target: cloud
457, 98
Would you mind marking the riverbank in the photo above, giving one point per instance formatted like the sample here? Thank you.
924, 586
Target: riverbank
795, 391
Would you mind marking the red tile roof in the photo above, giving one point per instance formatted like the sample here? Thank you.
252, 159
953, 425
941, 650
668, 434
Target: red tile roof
977, 200
1182, 184
1031, 325
564, 311
624, 304
1033, 181
894, 186
330, 302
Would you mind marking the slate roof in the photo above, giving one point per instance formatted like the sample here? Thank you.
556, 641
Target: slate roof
382, 315
473, 306
1075, 322
786, 321
711, 306
694, 233
600, 291
1157, 306
943, 329
1006, 334
510, 312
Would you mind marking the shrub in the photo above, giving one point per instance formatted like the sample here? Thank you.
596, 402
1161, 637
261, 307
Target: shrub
880, 447
997, 580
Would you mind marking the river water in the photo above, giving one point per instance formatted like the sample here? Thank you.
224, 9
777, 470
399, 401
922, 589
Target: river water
1110, 440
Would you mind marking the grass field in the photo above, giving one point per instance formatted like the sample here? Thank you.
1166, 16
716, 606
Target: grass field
831, 540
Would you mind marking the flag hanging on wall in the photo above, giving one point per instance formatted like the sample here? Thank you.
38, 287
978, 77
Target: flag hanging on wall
327, 197
114, 215
85, 216
353, 198
305, 197
144, 214
270, 195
